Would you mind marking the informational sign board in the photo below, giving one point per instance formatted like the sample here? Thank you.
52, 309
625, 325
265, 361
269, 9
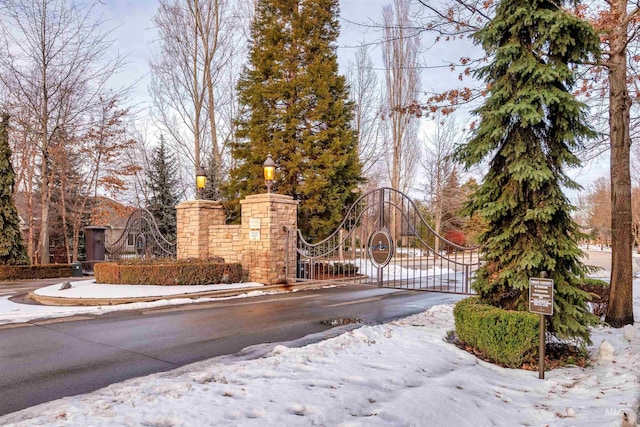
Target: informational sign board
380, 248
141, 244
541, 296
254, 223
254, 236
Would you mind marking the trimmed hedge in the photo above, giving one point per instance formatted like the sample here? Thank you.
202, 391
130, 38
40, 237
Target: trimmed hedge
337, 268
507, 337
168, 273
25, 272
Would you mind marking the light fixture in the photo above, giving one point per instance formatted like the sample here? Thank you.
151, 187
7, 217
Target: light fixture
201, 180
269, 167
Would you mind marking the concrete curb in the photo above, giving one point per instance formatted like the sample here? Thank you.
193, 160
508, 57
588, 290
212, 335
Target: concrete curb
61, 301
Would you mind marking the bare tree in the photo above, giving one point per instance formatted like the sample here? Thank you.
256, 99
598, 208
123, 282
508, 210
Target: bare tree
24, 158
440, 171
598, 204
197, 45
139, 152
400, 57
103, 164
53, 65
366, 95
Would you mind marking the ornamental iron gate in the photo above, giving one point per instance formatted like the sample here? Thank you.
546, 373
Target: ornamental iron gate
141, 238
384, 240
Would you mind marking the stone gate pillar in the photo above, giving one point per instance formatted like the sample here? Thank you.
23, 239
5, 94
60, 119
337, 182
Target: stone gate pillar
264, 239
194, 218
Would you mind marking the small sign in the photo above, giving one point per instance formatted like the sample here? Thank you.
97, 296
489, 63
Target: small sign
254, 224
541, 296
254, 235
141, 244
380, 248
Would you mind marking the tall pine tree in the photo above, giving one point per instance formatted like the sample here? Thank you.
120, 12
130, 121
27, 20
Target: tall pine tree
530, 125
12, 250
163, 185
295, 106
211, 190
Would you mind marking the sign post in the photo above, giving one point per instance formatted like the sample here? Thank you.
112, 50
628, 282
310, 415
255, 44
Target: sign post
541, 302
380, 250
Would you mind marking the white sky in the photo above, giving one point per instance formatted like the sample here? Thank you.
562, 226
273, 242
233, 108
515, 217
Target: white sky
401, 373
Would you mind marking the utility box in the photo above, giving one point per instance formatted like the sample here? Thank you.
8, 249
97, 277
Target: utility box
76, 269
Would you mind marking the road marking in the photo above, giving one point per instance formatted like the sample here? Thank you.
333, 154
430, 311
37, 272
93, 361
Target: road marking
372, 299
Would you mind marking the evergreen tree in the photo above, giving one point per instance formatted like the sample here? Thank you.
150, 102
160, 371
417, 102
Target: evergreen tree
530, 124
211, 190
162, 182
295, 106
12, 250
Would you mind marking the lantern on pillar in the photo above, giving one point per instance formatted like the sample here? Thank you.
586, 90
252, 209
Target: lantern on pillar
201, 180
269, 167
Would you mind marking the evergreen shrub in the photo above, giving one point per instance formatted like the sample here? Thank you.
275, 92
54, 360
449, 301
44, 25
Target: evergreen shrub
12, 249
168, 272
505, 336
25, 272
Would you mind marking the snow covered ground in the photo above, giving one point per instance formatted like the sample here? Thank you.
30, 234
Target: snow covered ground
91, 289
401, 373
11, 312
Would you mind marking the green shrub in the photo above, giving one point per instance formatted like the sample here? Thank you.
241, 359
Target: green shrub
337, 268
24, 272
168, 272
346, 268
507, 337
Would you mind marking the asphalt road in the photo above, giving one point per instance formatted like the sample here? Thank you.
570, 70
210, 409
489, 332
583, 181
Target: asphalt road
46, 360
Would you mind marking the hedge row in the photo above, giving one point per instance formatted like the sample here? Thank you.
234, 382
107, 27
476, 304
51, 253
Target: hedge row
338, 268
508, 337
24, 272
168, 273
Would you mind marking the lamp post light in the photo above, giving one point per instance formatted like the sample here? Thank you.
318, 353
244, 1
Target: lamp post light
269, 167
201, 181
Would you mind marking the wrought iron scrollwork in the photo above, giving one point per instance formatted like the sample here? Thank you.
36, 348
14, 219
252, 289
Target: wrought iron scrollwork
141, 238
421, 258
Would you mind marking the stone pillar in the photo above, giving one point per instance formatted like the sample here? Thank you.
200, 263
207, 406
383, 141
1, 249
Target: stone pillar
193, 221
264, 239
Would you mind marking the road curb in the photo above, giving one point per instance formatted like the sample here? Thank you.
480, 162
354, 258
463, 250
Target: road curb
222, 293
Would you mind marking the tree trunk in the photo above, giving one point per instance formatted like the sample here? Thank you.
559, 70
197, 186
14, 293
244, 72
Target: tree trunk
43, 242
30, 233
211, 47
620, 308
63, 208
437, 225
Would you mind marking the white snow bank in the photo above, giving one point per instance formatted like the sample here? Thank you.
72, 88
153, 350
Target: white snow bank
91, 289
